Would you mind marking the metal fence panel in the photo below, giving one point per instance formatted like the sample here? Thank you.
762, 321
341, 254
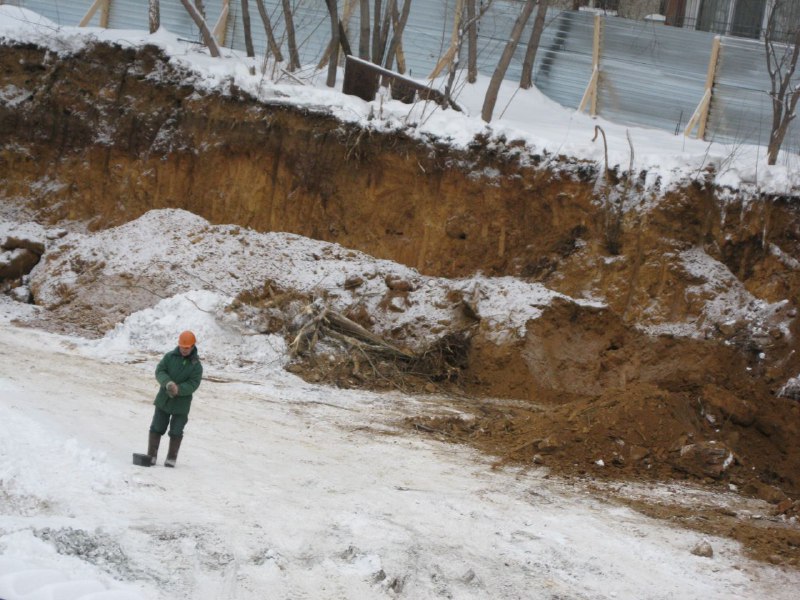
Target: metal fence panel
563, 65
174, 18
651, 75
426, 36
741, 110
62, 12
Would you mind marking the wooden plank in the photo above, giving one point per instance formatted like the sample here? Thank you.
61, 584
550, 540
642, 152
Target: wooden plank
701, 108
105, 9
361, 79
595, 62
700, 116
450, 54
590, 90
712, 71
590, 94
221, 28
90, 13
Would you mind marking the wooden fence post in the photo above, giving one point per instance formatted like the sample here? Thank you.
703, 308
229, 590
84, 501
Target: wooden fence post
591, 89
220, 29
700, 116
105, 9
104, 5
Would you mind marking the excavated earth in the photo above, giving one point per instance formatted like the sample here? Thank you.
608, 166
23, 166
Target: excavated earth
622, 392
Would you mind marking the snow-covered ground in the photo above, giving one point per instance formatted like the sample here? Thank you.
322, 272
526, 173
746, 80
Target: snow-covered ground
285, 489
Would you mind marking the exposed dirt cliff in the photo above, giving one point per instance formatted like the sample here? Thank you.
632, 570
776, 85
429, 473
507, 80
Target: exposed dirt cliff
678, 376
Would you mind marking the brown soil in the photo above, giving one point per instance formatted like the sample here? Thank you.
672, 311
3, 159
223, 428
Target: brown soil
584, 385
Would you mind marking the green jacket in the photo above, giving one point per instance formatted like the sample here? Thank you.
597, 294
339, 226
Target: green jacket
186, 372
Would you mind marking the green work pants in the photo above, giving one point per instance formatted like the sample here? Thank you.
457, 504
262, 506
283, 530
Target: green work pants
162, 420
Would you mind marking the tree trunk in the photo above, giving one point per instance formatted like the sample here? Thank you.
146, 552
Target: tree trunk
291, 40
273, 45
154, 16
383, 42
344, 21
248, 35
497, 77
200, 8
376, 32
777, 136
333, 9
472, 43
213, 48
526, 81
363, 38
398, 25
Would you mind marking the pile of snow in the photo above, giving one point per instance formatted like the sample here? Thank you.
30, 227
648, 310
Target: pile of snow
221, 339
30, 233
726, 300
791, 389
22, 580
168, 252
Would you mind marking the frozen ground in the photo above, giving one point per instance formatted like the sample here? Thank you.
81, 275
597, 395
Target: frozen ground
288, 490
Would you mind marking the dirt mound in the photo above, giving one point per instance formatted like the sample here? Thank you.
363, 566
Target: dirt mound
598, 390
642, 431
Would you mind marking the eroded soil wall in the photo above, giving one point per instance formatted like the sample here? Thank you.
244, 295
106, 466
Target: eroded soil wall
96, 136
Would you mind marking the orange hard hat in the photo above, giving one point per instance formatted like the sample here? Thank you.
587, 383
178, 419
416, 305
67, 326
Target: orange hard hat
186, 339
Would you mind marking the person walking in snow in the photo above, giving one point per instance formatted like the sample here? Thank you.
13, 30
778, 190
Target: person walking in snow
178, 373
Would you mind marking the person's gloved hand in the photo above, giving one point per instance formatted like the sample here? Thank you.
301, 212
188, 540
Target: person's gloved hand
172, 389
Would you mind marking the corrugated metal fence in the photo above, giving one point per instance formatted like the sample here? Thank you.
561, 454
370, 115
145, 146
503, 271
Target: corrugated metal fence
650, 75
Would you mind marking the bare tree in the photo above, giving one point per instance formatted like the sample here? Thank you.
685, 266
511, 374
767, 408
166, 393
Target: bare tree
334, 59
381, 42
248, 34
200, 8
208, 38
344, 21
376, 28
381, 24
291, 39
463, 31
154, 15
526, 80
399, 20
273, 45
781, 65
472, 43
391, 8
505, 59
363, 38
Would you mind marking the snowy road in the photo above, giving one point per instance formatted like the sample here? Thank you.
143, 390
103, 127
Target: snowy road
288, 490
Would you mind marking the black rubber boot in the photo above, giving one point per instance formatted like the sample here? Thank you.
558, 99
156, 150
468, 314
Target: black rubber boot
172, 453
152, 447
